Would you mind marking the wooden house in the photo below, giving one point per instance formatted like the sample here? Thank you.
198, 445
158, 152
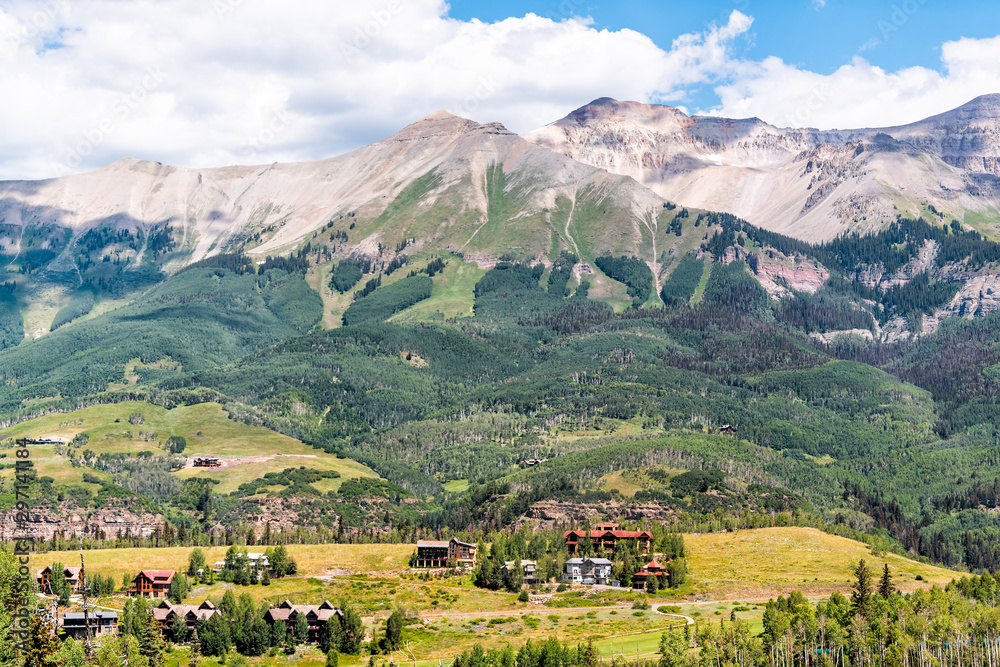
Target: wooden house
605, 537
434, 553
152, 583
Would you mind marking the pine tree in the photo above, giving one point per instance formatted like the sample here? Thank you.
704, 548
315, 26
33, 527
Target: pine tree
885, 587
279, 633
150, 642
301, 629
42, 645
862, 595
350, 631
228, 605
178, 629
394, 631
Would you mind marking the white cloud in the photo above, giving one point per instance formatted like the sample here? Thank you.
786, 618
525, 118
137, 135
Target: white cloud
237, 81
337, 74
860, 94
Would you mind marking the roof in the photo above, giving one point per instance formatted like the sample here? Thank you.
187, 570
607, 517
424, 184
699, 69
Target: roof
94, 616
618, 534
71, 572
158, 576
433, 543
600, 561
653, 565
464, 544
287, 610
203, 611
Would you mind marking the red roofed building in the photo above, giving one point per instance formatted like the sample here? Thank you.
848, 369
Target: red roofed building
605, 537
152, 583
653, 568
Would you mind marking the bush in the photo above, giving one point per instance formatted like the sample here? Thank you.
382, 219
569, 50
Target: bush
561, 588
523, 596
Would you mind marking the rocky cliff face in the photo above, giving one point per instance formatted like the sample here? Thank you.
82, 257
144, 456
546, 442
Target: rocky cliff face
809, 184
107, 522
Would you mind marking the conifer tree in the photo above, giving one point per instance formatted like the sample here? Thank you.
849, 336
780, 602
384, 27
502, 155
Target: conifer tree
885, 587
862, 595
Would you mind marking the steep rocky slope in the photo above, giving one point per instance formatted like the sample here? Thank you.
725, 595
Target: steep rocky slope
808, 183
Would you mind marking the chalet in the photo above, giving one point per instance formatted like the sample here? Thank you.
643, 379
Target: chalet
434, 553
653, 568
727, 428
71, 574
317, 617
166, 614
587, 571
102, 623
606, 537
207, 462
258, 562
528, 567
152, 583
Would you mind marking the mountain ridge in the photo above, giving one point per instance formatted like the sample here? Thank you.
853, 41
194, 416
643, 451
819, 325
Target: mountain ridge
808, 183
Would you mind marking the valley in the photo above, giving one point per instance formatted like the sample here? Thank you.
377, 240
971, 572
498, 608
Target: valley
461, 334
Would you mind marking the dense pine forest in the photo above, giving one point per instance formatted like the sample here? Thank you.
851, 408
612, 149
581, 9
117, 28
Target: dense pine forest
895, 440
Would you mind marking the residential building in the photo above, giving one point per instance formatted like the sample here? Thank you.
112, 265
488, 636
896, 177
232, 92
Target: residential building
102, 624
257, 561
152, 583
71, 574
587, 571
166, 613
605, 537
317, 617
653, 568
529, 569
434, 553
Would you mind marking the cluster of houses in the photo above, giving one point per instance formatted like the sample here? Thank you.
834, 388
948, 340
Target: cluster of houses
155, 584
587, 571
105, 623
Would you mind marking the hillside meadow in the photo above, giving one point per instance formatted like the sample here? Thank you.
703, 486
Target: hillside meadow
206, 427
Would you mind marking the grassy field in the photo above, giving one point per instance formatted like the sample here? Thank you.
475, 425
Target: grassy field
206, 427
755, 564
731, 575
629, 482
452, 295
313, 559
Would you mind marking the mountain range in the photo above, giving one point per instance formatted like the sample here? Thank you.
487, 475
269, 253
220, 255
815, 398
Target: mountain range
807, 318
607, 178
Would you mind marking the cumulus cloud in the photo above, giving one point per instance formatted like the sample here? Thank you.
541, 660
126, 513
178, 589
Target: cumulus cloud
217, 82
860, 94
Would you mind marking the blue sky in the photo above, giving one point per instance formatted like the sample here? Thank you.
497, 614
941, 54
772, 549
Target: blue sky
819, 37
210, 83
